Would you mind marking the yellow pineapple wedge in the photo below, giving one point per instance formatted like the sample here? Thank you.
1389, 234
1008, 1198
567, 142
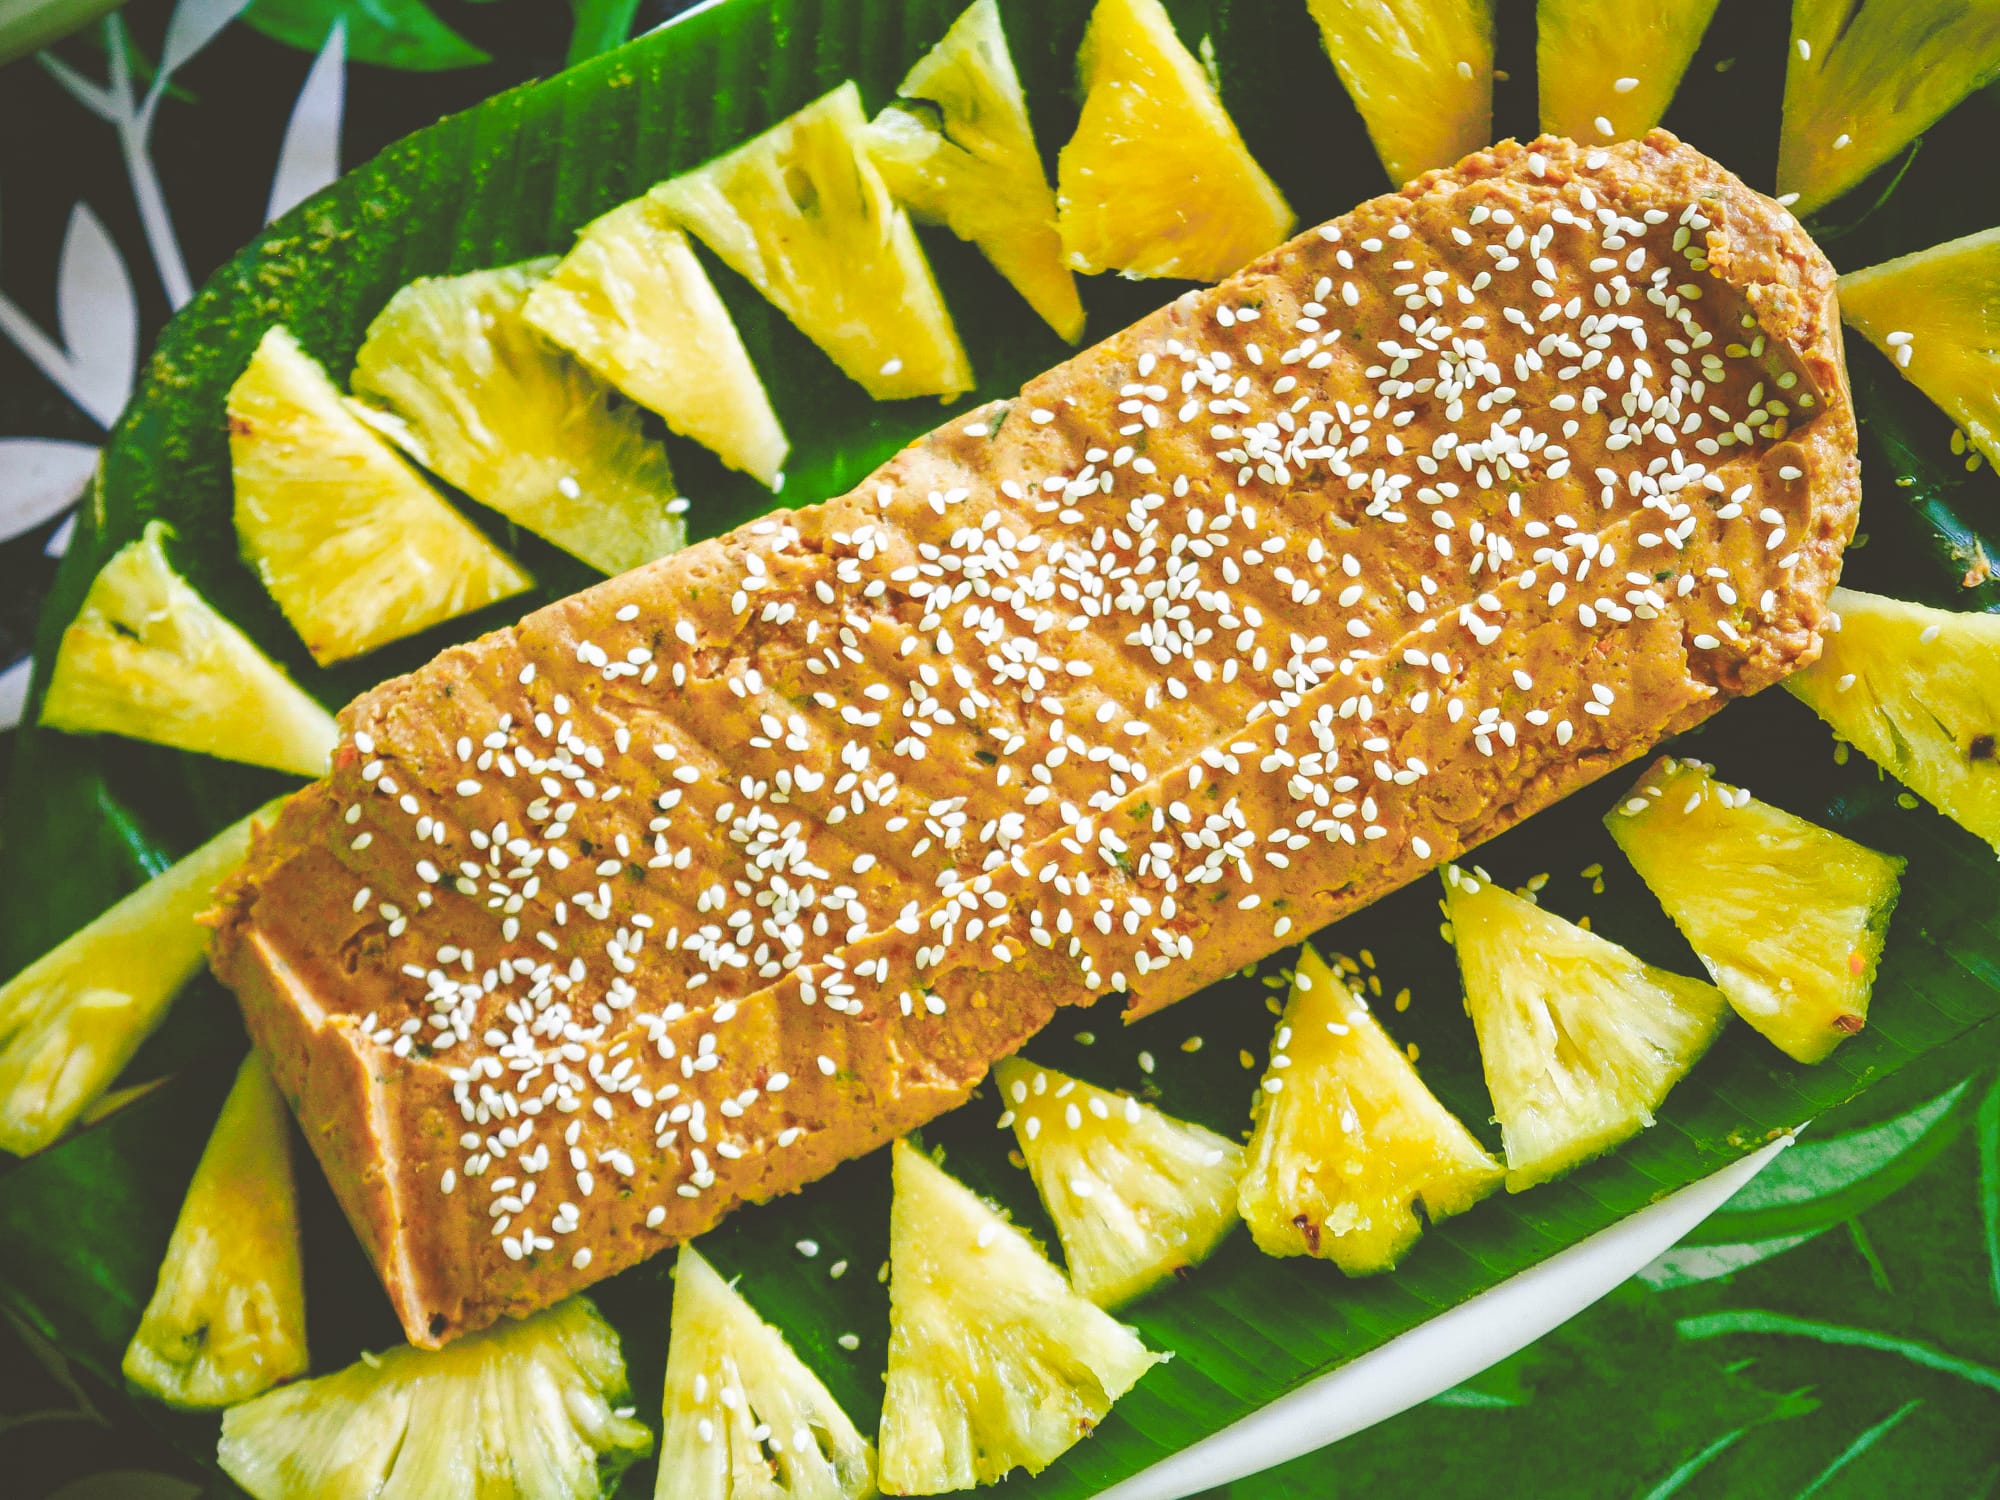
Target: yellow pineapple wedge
1866, 77
1607, 69
803, 216
72, 1019
1787, 917
149, 658
1937, 315
478, 397
995, 1362
956, 149
1420, 72
744, 1418
228, 1314
355, 547
1351, 1155
1580, 1041
1917, 691
528, 1410
1157, 181
632, 302
1136, 1195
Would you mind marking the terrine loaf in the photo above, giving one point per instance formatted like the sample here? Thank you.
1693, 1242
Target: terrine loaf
690, 887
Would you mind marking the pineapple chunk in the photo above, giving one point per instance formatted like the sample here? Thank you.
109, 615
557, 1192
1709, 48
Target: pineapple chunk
994, 1361
1157, 181
1941, 307
1580, 1041
960, 152
1351, 1155
632, 302
72, 1019
1420, 72
1866, 77
357, 550
149, 658
1136, 1195
228, 1316
530, 1410
802, 215
1917, 691
1786, 916
732, 1376
1613, 62
480, 399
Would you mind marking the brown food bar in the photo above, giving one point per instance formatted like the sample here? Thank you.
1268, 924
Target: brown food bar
690, 887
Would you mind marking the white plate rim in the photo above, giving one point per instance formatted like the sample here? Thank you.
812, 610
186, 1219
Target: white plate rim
1447, 1349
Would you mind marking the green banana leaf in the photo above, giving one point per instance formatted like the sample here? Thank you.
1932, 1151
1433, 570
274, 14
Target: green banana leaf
81, 1226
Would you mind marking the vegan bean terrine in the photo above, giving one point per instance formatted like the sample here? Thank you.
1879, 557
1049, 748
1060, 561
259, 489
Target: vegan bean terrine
690, 887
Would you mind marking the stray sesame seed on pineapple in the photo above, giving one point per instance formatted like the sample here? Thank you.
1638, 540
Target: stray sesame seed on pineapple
744, 1417
1351, 1155
1156, 181
632, 301
478, 397
1420, 72
1136, 1195
801, 213
1608, 69
148, 658
355, 548
995, 1363
1580, 1040
1916, 690
1936, 313
228, 1314
1865, 77
1787, 917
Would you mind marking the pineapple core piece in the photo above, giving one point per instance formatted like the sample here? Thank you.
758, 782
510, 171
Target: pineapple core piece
228, 1315
355, 547
632, 302
1157, 181
1136, 1195
1613, 63
957, 149
1865, 77
476, 396
72, 1019
1937, 315
744, 1418
1419, 71
149, 658
532, 1410
803, 216
1351, 1155
995, 1362
1580, 1040
1917, 691
1786, 916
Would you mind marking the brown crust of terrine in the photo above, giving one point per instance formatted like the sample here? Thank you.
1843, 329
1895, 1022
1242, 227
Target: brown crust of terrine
1299, 701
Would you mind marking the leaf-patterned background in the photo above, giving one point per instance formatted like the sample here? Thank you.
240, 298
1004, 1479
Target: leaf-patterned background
1835, 1332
